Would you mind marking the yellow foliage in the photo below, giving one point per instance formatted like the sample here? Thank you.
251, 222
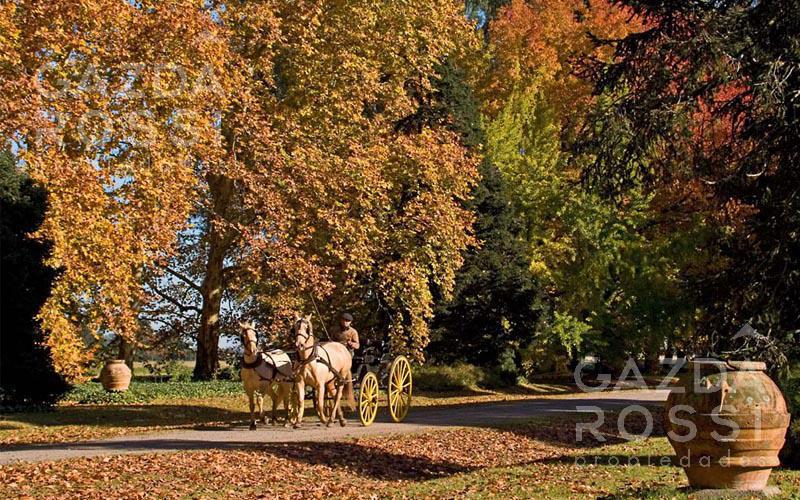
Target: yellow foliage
127, 113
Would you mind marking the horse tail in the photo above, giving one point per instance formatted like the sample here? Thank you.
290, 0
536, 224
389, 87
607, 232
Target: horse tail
348, 389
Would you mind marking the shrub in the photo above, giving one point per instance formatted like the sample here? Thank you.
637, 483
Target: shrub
505, 373
497, 378
790, 385
178, 371
447, 377
145, 392
93, 393
228, 373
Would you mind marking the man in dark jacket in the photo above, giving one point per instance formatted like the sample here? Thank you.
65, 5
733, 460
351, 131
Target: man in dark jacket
346, 334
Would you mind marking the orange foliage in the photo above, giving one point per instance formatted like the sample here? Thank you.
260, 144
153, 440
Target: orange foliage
110, 125
128, 114
537, 43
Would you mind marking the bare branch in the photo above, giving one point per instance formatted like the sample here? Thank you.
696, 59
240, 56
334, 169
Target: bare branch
181, 307
183, 278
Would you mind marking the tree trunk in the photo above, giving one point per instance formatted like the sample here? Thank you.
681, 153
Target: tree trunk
207, 359
219, 242
126, 352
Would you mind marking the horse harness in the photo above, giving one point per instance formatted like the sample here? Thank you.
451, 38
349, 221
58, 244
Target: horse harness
315, 355
263, 358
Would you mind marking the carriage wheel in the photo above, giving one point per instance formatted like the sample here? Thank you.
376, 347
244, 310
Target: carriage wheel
399, 388
368, 399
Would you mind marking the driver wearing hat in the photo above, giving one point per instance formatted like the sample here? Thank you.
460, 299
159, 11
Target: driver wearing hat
345, 333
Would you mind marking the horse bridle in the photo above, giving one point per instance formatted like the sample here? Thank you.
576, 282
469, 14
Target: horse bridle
309, 333
245, 338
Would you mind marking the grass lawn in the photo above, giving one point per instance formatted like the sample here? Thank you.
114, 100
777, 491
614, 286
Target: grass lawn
538, 459
150, 406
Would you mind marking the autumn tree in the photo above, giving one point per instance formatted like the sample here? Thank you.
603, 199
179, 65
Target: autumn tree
222, 128
587, 253
496, 302
710, 91
110, 112
349, 203
376, 180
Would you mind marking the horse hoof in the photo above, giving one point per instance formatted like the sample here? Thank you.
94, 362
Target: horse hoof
328, 424
342, 422
252, 427
296, 426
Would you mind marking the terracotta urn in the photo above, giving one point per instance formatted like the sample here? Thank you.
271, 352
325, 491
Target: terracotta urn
115, 376
740, 418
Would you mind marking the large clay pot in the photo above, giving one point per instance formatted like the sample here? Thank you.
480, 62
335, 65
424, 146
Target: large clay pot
723, 394
115, 376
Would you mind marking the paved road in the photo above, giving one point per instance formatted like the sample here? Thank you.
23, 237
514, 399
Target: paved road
418, 420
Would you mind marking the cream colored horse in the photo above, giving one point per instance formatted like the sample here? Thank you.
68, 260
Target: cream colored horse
256, 386
320, 365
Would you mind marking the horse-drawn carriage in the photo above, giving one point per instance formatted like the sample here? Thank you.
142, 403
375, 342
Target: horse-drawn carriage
374, 369
371, 370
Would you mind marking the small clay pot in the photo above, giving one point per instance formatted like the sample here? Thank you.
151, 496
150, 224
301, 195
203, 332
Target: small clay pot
115, 376
723, 394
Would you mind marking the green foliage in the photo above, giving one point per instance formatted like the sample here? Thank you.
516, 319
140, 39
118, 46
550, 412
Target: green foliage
726, 134
439, 378
145, 392
568, 330
790, 385
179, 372
596, 259
171, 369
464, 376
496, 301
505, 373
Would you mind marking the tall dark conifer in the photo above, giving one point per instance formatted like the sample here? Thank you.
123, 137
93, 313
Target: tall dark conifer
26, 372
496, 301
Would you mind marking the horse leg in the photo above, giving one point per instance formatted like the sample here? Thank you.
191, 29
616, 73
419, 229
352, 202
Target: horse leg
261, 410
337, 406
273, 396
251, 396
300, 386
321, 403
285, 395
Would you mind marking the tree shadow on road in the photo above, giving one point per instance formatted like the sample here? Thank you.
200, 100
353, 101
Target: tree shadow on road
564, 430
367, 461
124, 415
80, 423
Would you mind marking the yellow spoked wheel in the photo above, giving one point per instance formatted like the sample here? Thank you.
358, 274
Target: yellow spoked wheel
399, 388
368, 399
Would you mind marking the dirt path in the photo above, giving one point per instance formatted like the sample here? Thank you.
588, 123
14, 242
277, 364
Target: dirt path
418, 420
